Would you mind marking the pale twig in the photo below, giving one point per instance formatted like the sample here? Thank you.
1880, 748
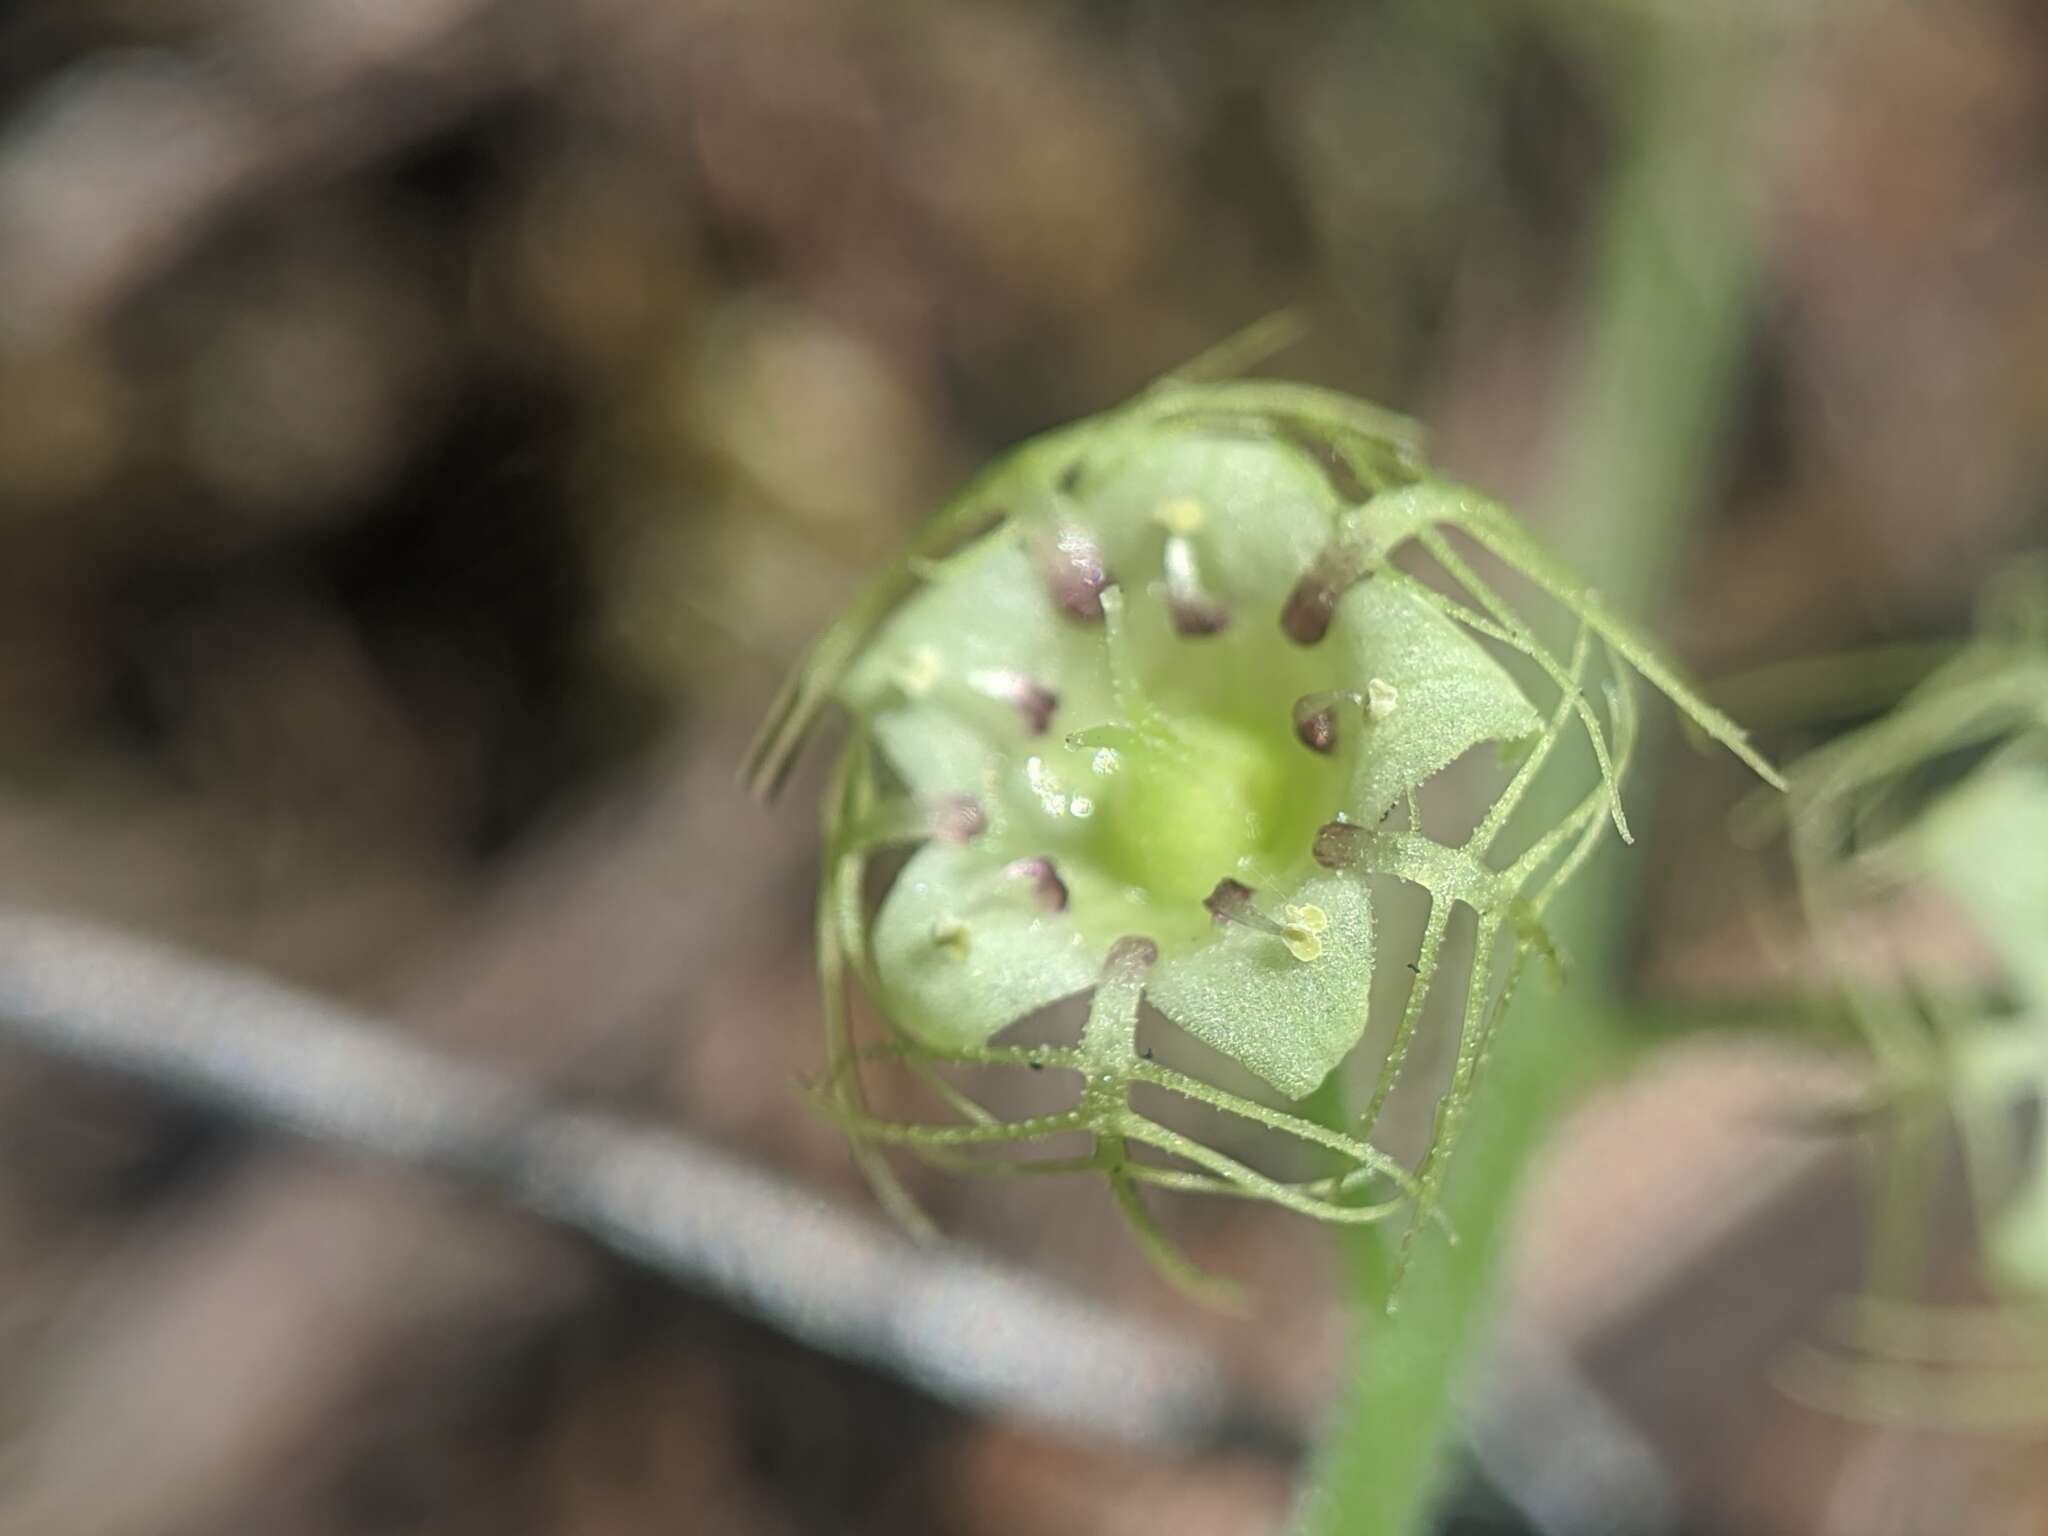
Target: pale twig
968, 1330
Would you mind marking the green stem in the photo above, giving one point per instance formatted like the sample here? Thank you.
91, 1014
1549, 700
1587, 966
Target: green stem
1381, 1464
1676, 276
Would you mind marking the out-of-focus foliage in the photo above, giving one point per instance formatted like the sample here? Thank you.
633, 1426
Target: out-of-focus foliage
420, 418
1948, 794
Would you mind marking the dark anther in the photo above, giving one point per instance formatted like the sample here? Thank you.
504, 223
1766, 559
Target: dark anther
1230, 902
1340, 844
1070, 477
1036, 1066
957, 818
1317, 728
1313, 602
1315, 718
1034, 701
1133, 951
1196, 616
1075, 571
1306, 618
1146, 1053
1047, 889
1414, 967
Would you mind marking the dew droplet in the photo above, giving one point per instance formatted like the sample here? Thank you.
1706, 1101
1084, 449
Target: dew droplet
1046, 785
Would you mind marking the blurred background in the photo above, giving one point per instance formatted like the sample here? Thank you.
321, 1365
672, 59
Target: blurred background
429, 429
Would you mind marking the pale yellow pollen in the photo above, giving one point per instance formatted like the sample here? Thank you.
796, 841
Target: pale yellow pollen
950, 935
1180, 515
1303, 927
1045, 784
918, 670
1380, 698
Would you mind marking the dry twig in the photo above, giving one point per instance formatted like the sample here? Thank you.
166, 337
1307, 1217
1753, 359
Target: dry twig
966, 1329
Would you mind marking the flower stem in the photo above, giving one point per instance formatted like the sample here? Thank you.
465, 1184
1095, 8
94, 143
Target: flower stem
1677, 272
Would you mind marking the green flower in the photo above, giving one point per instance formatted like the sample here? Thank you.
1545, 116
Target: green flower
1147, 703
1945, 796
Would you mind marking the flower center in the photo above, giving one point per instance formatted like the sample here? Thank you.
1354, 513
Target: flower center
1190, 808
1166, 810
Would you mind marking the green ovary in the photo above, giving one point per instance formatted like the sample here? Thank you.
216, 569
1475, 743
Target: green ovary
1192, 810
1150, 824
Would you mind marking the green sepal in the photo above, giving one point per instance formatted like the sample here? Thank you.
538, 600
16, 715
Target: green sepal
1986, 846
987, 611
1449, 695
1254, 998
1263, 515
963, 949
1497, 530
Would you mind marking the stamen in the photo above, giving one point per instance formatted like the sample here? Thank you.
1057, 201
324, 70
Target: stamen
957, 818
1193, 610
1313, 602
1128, 955
1034, 701
1231, 902
1341, 844
1109, 1039
1075, 570
1047, 889
1301, 928
1315, 718
921, 673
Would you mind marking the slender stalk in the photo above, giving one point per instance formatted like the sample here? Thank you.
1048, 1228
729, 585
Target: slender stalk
1676, 276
